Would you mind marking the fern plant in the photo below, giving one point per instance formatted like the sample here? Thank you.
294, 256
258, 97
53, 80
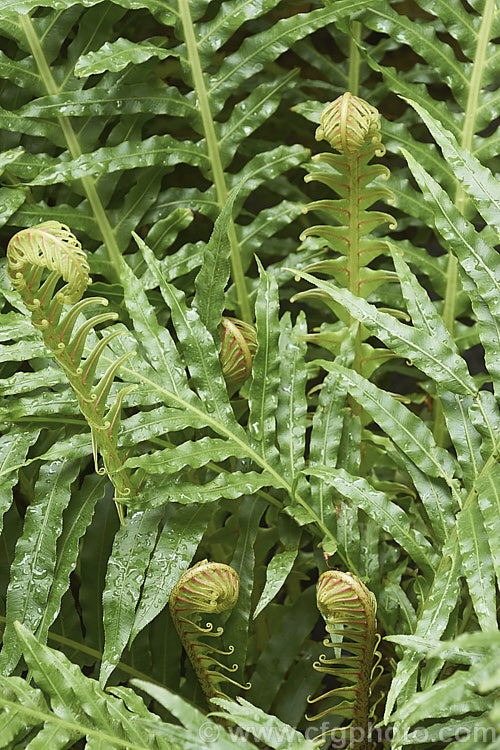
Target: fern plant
170, 138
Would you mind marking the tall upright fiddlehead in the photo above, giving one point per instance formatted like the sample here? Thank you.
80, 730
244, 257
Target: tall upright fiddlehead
348, 608
38, 259
207, 587
352, 127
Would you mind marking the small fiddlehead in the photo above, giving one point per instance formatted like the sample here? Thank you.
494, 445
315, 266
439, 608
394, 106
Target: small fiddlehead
238, 347
206, 588
348, 608
38, 258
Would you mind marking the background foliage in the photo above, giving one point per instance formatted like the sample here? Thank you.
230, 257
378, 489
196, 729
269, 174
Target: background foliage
138, 123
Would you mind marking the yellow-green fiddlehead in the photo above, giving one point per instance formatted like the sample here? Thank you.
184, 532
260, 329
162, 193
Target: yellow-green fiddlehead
210, 588
39, 259
348, 608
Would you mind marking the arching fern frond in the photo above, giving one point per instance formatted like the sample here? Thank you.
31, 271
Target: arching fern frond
52, 247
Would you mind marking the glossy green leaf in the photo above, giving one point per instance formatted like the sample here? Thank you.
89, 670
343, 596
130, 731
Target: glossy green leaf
425, 351
192, 719
191, 453
198, 348
263, 398
432, 619
409, 433
228, 485
422, 38
13, 449
117, 55
291, 413
478, 260
423, 313
378, 506
438, 501
14, 722
262, 48
85, 708
127, 99
161, 348
147, 425
76, 519
172, 555
33, 567
157, 150
277, 571
263, 726
157, 7
252, 112
478, 564
75, 217
215, 270
127, 567
10, 200
449, 697
488, 495
474, 178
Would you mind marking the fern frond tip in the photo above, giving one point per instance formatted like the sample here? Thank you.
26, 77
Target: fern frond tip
347, 122
53, 246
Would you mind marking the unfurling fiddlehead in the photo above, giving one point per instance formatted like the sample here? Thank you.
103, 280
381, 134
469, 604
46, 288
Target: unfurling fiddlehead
207, 587
51, 247
238, 347
352, 127
348, 608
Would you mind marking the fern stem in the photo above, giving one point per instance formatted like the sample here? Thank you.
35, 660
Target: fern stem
354, 58
468, 130
469, 126
238, 275
74, 149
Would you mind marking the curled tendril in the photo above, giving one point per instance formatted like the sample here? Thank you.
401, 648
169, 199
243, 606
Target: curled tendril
348, 122
53, 246
209, 588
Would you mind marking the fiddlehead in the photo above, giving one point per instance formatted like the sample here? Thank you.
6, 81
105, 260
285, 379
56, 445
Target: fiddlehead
348, 608
51, 247
207, 587
238, 347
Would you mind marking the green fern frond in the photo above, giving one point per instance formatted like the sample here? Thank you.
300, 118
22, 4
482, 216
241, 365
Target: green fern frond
51, 246
352, 127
